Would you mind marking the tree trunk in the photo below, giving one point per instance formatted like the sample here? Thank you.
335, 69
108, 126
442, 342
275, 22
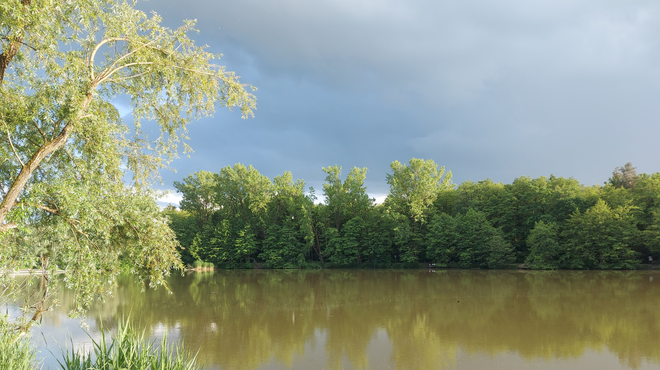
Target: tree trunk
11, 51
6, 57
21, 180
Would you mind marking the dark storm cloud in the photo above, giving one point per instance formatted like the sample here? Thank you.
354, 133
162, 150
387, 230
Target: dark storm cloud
493, 89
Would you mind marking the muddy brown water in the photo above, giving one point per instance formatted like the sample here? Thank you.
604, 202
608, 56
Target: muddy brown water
388, 319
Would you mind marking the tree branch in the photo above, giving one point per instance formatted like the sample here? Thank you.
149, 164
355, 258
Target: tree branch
90, 63
127, 77
20, 42
134, 51
105, 75
26, 172
39, 307
10, 142
43, 135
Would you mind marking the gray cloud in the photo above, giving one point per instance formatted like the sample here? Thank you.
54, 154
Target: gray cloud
493, 89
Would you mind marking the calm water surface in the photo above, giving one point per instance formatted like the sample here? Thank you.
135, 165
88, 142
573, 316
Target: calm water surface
388, 319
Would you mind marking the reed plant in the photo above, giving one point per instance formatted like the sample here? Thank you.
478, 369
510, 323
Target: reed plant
128, 349
15, 353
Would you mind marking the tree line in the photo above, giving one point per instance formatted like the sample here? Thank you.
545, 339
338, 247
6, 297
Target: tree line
238, 217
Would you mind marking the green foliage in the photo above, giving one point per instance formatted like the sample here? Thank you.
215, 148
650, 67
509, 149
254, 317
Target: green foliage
128, 349
646, 198
404, 239
218, 244
245, 244
477, 240
467, 241
65, 149
624, 177
602, 238
15, 353
415, 186
93, 244
478, 196
198, 192
199, 264
242, 192
515, 208
282, 248
378, 238
185, 227
500, 253
346, 248
544, 248
548, 223
347, 200
442, 238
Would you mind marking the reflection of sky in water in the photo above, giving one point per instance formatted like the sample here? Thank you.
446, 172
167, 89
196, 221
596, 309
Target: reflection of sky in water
64, 332
385, 320
57, 332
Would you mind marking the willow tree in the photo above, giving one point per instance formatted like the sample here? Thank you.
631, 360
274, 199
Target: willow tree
66, 152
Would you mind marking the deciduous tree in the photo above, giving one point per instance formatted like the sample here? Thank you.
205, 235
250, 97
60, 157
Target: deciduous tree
65, 148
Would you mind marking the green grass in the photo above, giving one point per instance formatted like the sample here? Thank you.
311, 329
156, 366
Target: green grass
128, 349
15, 353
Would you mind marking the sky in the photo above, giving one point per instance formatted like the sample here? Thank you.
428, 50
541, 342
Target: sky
488, 89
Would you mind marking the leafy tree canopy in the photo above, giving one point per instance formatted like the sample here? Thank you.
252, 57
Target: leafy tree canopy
65, 148
415, 186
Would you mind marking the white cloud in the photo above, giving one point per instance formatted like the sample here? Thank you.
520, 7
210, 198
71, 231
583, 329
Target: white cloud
169, 198
380, 198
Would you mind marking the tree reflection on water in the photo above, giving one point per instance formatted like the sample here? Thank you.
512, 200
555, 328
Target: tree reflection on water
252, 319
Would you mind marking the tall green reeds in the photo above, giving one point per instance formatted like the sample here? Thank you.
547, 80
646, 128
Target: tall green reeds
15, 353
129, 350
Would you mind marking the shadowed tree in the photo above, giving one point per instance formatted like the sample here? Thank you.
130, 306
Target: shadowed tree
198, 192
601, 238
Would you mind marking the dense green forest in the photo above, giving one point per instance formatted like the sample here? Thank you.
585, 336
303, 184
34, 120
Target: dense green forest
238, 217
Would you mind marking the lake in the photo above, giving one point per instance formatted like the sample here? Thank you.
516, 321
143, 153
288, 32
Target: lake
389, 319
